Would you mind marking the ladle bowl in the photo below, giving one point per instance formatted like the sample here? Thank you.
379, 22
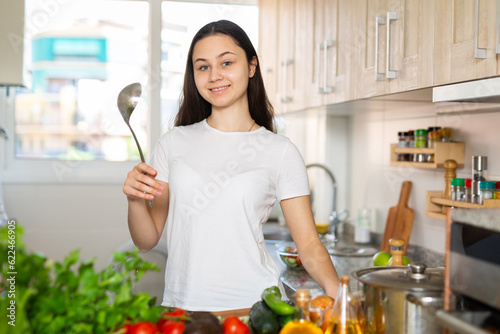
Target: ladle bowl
128, 99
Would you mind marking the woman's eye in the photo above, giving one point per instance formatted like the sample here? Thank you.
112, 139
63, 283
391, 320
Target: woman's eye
204, 67
226, 63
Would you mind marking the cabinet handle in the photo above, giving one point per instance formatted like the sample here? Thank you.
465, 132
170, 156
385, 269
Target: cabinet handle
284, 73
479, 53
323, 87
390, 74
379, 20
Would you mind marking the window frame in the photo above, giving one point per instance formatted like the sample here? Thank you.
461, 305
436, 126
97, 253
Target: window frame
34, 171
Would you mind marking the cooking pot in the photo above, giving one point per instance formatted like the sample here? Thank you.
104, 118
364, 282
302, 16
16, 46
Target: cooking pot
401, 299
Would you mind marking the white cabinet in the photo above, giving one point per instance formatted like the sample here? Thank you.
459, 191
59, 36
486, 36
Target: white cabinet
12, 42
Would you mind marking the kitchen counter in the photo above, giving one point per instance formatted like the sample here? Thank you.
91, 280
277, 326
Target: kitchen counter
294, 279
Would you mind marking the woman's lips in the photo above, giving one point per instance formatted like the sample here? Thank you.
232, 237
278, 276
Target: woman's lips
219, 89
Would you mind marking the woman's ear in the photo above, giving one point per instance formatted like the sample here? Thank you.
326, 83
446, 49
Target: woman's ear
252, 66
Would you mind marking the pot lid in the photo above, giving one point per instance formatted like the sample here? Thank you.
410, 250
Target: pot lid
415, 277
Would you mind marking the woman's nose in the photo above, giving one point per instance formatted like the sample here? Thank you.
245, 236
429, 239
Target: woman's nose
215, 75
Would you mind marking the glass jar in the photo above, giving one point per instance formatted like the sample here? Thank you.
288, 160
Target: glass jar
403, 141
420, 142
434, 130
487, 190
446, 134
458, 189
411, 136
497, 190
468, 190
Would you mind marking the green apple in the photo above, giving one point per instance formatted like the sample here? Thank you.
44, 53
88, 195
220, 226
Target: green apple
381, 259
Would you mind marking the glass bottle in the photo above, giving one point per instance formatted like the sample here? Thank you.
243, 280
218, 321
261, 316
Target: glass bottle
497, 190
344, 319
302, 322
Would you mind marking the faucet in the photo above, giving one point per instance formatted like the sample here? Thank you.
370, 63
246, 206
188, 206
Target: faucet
336, 217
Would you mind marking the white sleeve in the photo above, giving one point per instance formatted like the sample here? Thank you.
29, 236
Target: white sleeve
160, 158
292, 175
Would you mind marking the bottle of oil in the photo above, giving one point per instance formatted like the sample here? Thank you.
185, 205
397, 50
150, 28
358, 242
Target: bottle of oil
302, 322
344, 319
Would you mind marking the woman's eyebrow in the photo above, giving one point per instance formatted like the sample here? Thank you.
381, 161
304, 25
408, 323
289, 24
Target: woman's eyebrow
219, 56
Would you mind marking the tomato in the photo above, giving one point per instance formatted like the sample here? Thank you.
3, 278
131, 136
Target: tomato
125, 329
143, 327
173, 328
299, 262
176, 315
233, 325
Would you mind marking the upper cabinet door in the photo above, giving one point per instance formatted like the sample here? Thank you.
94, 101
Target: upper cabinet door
268, 39
395, 38
465, 40
12, 42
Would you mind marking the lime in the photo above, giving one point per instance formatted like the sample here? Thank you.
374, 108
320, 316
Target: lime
381, 259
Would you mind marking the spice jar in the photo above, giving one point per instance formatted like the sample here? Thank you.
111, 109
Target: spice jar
458, 189
420, 142
468, 190
486, 189
403, 141
411, 136
446, 135
434, 129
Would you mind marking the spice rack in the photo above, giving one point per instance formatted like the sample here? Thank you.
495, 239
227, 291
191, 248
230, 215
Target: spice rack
442, 152
436, 206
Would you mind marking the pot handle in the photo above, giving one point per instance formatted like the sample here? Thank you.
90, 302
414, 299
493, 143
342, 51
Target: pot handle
431, 301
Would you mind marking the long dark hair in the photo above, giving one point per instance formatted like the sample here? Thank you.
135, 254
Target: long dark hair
194, 108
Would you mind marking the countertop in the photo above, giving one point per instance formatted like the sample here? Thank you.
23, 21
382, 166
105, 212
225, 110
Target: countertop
294, 279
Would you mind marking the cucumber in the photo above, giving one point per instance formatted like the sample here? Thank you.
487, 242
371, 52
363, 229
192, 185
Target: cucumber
263, 320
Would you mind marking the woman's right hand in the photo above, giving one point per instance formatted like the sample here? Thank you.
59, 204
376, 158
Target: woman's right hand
141, 184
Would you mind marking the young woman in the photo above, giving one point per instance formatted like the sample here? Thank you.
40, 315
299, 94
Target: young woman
214, 179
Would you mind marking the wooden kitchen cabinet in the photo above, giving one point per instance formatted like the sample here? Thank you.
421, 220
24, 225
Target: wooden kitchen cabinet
465, 37
396, 43
327, 72
268, 23
283, 35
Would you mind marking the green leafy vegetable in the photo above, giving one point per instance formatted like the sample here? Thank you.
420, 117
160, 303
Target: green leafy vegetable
70, 297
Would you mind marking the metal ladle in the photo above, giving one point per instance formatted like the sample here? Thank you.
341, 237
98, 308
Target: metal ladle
128, 99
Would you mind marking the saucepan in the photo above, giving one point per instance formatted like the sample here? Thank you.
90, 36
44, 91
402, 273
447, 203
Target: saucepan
402, 299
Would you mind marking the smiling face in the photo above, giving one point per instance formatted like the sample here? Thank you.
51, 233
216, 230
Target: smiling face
222, 72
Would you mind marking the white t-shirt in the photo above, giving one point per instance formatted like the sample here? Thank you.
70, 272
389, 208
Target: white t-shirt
222, 187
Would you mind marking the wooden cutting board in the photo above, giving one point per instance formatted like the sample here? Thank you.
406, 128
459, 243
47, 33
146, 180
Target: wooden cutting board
399, 219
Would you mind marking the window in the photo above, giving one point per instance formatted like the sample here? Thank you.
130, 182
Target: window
79, 54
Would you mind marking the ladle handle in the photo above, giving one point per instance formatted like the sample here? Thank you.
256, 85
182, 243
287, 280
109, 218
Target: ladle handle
150, 202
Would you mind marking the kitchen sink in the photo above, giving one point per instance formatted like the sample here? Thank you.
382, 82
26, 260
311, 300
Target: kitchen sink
278, 235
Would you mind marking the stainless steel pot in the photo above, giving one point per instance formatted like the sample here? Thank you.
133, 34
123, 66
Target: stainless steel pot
402, 299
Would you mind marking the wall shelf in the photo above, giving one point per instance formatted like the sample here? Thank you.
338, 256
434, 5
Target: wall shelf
442, 152
437, 206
